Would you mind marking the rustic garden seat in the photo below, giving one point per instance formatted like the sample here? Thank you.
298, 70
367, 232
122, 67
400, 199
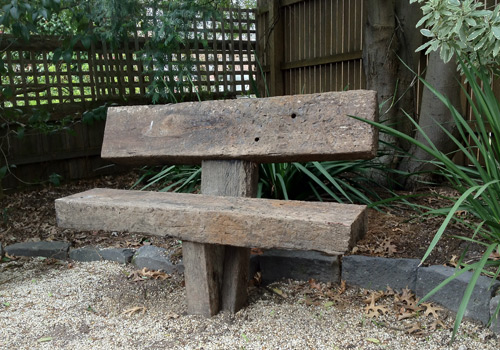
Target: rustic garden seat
229, 139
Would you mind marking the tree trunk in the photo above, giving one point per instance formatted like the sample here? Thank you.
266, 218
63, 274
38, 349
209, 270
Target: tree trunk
380, 65
434, 114
390, 41
379, 61
409, 39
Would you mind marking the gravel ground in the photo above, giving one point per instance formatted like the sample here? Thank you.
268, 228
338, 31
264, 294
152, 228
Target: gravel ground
55, 305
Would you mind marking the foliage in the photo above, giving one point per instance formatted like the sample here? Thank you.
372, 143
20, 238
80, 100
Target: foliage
164, 53
463, 27
340, 181
165, 25
21, 17
478, 184
175, 178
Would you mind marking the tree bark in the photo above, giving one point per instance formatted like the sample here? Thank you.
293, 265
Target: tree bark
390, 41
409, 39
434, 115
379, 61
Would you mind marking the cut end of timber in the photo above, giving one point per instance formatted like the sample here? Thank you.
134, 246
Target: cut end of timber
330, 228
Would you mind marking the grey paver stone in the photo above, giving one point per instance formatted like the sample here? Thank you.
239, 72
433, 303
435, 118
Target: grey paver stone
451, 294
155, 258
85, 254
56, 250
495, 322
298, 265
378, 273
121, 255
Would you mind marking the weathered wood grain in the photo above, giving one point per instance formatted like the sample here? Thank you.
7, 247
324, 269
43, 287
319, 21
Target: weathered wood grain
244, 222
276, 129
216, 275
234, 178
203, 273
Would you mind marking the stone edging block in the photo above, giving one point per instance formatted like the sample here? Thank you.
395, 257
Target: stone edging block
378, 273
155, 258
451, 294
301, 265
56, 250
121, 255
495, 322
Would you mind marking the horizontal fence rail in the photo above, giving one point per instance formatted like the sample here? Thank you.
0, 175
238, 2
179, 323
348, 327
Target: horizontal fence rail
309, 46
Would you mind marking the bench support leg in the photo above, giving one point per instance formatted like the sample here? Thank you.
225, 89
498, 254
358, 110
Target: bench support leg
235, 278
217, 276
203, 275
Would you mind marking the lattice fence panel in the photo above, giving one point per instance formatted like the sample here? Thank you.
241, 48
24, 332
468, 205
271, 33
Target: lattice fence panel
220, 52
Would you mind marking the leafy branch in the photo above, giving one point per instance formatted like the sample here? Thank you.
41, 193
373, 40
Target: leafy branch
462, 27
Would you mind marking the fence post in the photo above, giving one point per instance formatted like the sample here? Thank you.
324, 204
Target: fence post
276, 51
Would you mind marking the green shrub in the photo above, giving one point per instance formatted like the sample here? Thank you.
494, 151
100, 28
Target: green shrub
477, 184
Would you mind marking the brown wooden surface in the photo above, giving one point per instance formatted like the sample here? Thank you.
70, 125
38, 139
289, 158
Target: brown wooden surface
203, 272
277, 129
246, 222
216, 275
319, 47
234, 179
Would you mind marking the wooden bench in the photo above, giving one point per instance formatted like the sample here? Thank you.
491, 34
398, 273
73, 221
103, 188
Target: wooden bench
229, 139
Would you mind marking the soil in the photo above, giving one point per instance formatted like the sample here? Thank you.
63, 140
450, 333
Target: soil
397, 232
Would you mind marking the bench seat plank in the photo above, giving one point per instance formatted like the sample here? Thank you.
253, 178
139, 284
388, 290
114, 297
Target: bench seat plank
314, 127
246, 222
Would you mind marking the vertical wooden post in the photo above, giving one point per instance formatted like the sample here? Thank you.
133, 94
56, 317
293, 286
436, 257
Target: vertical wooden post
216, 276
276, 40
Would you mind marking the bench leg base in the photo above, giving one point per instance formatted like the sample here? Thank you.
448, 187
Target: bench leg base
203, 268
235, 278
216, 277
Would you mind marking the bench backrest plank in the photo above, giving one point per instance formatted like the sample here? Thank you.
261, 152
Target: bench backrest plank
277, 129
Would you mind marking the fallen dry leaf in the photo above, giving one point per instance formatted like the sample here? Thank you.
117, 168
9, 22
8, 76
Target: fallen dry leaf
374, 310
390, 292
437, 324
311, 302
494, 256
171, 316
144, 274
136, 309
256, 280
342, 288
279, 292
374, 297
314, 284
406, 314
431, 310
415, 329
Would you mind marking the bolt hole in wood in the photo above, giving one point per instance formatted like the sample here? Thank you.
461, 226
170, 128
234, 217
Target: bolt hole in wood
257, 139
294, 115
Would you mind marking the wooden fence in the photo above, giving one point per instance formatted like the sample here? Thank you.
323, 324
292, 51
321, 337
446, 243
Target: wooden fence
288, 46
221, 54
309, 46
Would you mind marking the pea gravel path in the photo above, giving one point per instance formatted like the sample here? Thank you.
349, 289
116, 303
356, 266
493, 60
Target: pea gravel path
53, 305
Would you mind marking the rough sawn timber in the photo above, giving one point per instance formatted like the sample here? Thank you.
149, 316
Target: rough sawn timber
314, 127
217, 275
331, 228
